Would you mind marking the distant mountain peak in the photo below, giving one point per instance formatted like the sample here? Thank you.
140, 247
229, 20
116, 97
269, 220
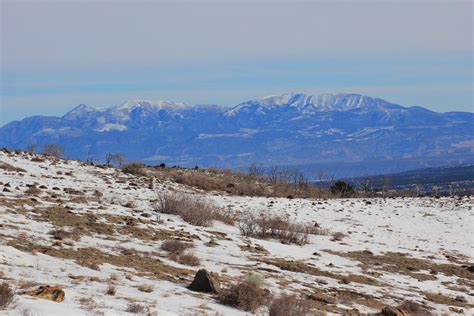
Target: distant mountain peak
152, 105
79, 111
309, 104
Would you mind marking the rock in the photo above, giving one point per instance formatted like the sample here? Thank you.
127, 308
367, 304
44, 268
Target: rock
46, 292
205, 281
471, 268
393, 311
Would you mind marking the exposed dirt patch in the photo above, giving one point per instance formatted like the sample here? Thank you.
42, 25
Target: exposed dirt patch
299, 266
147, 264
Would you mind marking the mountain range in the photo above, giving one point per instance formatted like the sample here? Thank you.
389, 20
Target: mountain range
343, 134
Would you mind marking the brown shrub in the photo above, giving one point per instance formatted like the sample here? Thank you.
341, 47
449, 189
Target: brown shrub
33, 190
136, 308
7, 167
147, 288
37, 159
6, 295
136, 168
289, 305
338, 236
192, 210
414, 308
245, 296
53, 150
111, 290
188, 259
175, 246
268, 226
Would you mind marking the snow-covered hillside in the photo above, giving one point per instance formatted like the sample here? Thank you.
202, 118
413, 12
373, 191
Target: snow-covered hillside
88, 229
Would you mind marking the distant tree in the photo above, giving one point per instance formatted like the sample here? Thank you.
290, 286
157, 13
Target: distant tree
342, 188
256, 170
114, 159
31, 148
320, 174
385, 184
53, 150
273, 175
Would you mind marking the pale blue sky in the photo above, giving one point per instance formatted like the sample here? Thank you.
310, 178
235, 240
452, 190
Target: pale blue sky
56, 55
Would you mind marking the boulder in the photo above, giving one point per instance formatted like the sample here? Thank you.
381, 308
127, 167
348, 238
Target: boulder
205, 281
46, 292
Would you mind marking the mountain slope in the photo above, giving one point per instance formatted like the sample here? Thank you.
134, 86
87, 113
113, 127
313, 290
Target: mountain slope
290, 129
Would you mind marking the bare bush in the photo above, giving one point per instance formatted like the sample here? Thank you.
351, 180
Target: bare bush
414, 308
245, 296
175, 246
111, 290
53, 150
192, 210
188, 259
114, 159
136, 308
146, 288
6, 295
288, 305
135, 168
267, 226
338, 236
33, 190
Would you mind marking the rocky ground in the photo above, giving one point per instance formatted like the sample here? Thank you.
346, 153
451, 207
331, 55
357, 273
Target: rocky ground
94, 234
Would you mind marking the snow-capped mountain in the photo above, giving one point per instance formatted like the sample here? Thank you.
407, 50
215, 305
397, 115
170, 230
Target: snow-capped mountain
346, 134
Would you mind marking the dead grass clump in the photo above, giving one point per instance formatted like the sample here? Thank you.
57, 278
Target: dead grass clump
414, 308
6, 295
135, 168
60, 234
338, 236
192, 210
267, 226
33, 190
7, 167
37, 159
146, 288
245, 296
136, 308
287, 305
188, 259
114, 277
111, 290
175, 246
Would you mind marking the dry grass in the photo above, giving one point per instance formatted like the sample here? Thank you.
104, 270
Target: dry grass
175, 246
146, 288
267, 226
288, 305
338, 236
6, 295
188, 259
136, 308
33, 190
7, 167
245, 296
414, 308
192, 210
111, 289
280, 183
135, 168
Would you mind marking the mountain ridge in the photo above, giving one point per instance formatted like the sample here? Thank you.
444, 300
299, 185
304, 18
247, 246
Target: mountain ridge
288, 129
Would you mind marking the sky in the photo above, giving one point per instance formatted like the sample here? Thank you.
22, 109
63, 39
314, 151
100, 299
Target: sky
58, 54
